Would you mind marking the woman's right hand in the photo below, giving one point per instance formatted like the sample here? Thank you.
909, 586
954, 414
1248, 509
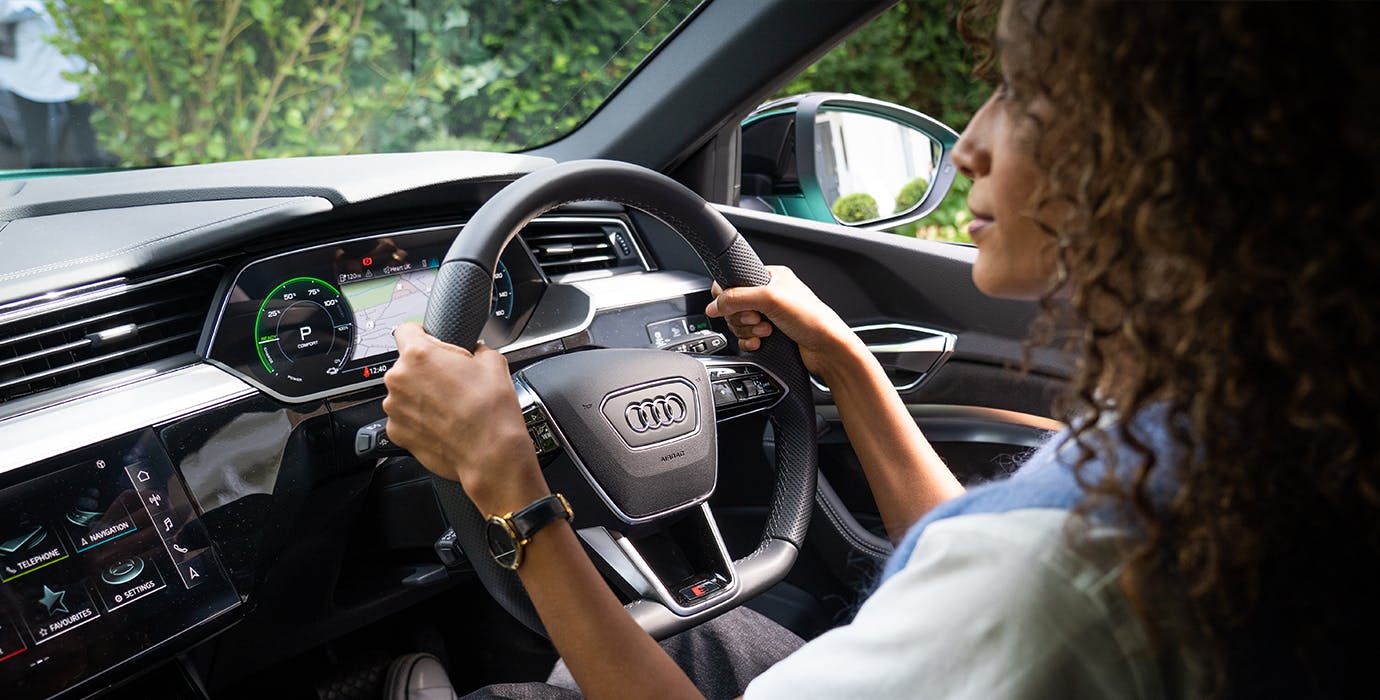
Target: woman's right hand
821, 334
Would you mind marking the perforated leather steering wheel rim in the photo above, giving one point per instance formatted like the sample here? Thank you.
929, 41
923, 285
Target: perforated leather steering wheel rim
459, 307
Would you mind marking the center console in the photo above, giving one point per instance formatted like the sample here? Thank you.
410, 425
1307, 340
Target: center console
102, 559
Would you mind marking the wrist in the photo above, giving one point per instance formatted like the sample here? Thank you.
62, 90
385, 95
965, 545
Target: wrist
510, 486
834, 361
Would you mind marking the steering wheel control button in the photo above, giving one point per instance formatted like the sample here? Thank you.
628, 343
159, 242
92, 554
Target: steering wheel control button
653, 414
723, 394
754, 387
704, 342
742, 388
539, 429
701, 590
543, 440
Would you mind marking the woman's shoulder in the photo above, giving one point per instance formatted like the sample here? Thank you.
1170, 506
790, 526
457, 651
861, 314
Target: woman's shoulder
1033, 616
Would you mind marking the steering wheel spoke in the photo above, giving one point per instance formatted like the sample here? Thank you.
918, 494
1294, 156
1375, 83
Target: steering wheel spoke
685, 567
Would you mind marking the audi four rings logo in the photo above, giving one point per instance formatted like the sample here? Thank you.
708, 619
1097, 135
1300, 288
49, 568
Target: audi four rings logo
654, 413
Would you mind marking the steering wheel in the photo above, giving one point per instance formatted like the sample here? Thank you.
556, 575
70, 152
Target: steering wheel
637, 427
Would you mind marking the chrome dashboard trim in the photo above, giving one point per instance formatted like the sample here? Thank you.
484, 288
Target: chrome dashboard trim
88, 387
61, 428
85, 294
945, 341
632, 239
56, 299
633, 289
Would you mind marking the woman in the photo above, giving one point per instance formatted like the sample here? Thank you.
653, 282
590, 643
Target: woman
1196, 194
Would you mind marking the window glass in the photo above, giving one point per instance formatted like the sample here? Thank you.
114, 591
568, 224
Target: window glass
910, 55
134, 83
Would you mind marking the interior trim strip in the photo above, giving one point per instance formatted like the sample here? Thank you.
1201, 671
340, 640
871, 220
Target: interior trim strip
621, 291
58, 429
926, 340
85, 294
979, 424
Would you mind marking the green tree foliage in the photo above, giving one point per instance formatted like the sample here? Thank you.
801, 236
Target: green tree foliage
859, 206
179, 81
515, 75
911, 55
185, 81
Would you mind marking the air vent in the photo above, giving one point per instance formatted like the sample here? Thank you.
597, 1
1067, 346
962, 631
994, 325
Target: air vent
53, 345
565, 245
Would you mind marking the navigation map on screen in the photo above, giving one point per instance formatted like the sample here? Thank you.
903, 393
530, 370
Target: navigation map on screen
382, 304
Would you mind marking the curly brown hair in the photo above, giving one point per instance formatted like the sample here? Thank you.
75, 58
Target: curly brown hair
1213, 172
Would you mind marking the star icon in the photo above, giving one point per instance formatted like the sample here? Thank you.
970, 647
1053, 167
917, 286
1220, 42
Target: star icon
53, 600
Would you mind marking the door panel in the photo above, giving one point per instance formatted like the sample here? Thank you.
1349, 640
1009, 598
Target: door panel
981, 412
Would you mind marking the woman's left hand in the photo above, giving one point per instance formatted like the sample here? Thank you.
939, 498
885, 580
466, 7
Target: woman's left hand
457, 413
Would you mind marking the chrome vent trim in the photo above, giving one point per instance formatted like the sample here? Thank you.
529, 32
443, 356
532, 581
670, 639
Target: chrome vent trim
61, 428
48, 346
564, 245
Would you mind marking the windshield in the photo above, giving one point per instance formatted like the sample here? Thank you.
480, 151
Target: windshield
137, 83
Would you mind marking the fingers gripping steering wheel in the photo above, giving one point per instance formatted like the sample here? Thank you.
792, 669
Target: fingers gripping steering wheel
645, 478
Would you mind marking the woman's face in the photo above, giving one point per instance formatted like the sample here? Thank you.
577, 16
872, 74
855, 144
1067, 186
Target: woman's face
1015, 258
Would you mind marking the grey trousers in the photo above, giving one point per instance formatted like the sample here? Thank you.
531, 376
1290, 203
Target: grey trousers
720, 656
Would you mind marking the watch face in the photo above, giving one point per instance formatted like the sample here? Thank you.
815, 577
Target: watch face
503, 545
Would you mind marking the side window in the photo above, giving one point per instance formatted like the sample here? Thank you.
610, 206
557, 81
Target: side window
860, 137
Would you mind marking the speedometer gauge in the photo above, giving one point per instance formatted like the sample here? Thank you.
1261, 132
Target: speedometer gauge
503, 294
303, 331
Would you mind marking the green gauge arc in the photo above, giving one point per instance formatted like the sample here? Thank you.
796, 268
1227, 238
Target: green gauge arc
259, 317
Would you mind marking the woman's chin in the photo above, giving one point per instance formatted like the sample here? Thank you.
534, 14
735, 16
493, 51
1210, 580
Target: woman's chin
1003, 283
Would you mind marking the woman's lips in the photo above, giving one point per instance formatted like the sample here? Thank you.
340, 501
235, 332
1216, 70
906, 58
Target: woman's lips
977, 225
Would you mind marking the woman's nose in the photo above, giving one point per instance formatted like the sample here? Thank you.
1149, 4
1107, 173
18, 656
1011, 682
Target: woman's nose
969, 155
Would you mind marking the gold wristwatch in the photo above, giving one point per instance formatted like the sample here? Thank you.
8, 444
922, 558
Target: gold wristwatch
508, 534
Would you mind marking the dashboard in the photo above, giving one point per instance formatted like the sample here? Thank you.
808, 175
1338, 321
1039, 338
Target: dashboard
189, 355
179, 397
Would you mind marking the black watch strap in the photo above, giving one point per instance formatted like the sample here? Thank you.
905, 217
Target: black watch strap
539, 514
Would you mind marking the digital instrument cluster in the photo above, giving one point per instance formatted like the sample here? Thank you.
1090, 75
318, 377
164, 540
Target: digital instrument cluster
312, 322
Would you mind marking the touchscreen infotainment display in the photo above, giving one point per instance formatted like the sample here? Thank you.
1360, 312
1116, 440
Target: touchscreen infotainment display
101, 559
